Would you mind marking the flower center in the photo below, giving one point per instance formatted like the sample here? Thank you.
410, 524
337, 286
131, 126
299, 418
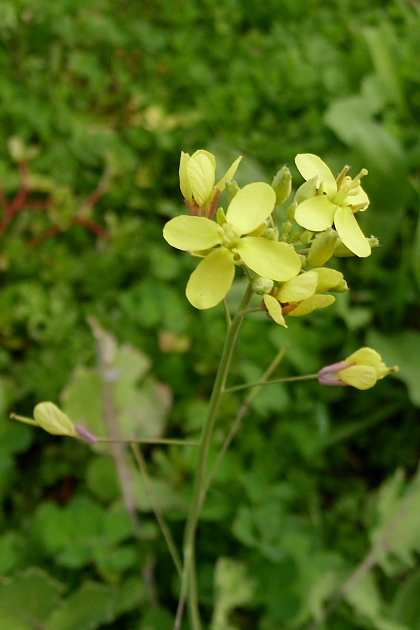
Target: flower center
229, 237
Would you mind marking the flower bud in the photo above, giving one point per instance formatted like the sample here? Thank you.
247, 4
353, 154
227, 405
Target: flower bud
231, 188
341, 287
306, 191
262, 286
305, 237
341, 251
322, 248
362, 370
50, 418
282, 184
220, 216
290, 212
286, 227
271, 233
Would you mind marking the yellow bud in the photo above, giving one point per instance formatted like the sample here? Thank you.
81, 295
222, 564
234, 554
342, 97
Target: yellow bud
282, 184
322, 248
306, 191
262, 286
50, 418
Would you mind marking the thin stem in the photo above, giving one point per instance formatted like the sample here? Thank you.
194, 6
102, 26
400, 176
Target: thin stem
286, 379
241, 413
151, 441
159, 516
188, 587
227, 314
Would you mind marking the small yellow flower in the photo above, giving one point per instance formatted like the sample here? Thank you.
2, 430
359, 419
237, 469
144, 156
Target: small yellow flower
230, 244
303, 294
362, 370
336, 201
197, 175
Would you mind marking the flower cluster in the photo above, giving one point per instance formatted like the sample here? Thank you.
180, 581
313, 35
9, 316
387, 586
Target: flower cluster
286, 262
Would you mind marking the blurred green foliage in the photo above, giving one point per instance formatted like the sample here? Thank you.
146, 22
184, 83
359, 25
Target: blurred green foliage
96, 102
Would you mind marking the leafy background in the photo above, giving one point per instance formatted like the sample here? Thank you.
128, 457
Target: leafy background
96, 102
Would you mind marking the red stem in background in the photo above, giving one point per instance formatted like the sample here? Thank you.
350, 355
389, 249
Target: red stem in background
20, 202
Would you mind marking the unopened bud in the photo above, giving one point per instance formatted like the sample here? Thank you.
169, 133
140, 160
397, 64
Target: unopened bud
305, 237
303, 260
50, 418
341, 287
290, 212
231, 188
220, 216
282, 185
271, 233
306, 191
286, 227
262, 286
322, 248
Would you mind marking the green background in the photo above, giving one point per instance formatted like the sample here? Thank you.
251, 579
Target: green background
103, 96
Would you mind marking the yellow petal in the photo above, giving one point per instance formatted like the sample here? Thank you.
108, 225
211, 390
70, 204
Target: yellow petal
201, 174
250, 207
299, 288
316, 213
212, 279
358, 197
269, 259
359, 376
50, 418
274, 309
350, 232
327, 279
221, 185
312, 304
365, 356
191, 233
183, 177
311, 166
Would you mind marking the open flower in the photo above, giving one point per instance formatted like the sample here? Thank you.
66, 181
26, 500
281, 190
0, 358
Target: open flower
336, 201
362, 370
230, 244
197, 174
303, 294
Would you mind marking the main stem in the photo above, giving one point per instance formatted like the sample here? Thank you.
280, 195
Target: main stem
188, 586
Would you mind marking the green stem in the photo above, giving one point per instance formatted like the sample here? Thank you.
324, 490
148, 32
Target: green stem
188, 586
286, 379
152, 441
159, 517
242, 411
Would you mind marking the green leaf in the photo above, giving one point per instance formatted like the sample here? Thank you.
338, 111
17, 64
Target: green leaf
396, 536
405, 607
233, 588
90, 606
27, 599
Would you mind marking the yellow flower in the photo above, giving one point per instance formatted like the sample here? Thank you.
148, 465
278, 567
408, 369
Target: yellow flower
303, 294
230, 244
362, 370
197, 174
336, 201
